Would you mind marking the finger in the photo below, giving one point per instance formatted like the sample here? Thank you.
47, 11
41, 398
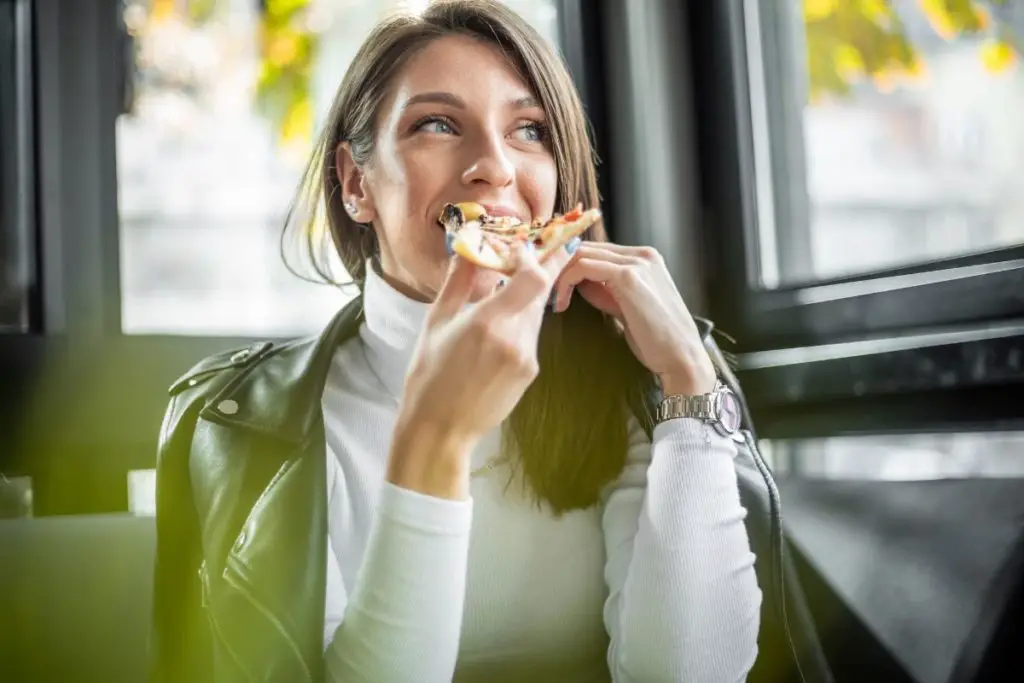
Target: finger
455, 290
599, 250
586, 269
556, 261
622, 249
529, 284
598, 296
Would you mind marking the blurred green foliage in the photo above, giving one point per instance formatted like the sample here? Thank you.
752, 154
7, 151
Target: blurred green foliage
288, 51
853, 40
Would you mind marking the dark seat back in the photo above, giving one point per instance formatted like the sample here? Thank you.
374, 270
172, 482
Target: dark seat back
75, 598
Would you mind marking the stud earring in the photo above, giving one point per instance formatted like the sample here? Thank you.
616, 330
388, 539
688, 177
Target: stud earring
351, 208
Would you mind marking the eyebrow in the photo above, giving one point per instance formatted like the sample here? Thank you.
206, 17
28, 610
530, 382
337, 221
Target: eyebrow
454, 100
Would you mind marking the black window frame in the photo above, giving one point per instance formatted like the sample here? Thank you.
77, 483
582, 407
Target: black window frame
923, 347
19, 305
82, 401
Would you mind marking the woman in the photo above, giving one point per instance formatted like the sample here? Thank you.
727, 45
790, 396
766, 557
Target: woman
493, 509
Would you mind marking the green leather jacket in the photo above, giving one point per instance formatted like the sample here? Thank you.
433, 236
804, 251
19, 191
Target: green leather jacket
240, 568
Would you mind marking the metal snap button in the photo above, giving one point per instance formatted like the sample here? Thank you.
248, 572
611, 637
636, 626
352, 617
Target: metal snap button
228, 407
240, 356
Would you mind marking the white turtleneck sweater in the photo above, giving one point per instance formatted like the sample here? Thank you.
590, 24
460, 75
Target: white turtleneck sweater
654, 583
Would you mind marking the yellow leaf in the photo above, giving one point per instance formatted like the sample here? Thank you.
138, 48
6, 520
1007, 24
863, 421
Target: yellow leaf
283, 8
917, 70
939, 17
984, 17
283, 49
998, 56
816, 10
162, 10
848, 61
297, 126
878, 11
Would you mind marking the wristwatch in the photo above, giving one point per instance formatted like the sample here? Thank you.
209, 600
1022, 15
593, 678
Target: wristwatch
720, 409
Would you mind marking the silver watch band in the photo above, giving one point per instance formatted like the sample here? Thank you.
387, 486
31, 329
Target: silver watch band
701, 407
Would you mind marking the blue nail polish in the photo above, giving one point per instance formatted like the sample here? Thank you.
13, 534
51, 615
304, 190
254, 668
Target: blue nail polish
572, 245
449, 240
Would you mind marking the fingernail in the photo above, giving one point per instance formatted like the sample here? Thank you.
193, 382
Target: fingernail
449, 240
572, 245
568, 300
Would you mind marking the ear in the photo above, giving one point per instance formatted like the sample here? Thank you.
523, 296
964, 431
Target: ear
353, 185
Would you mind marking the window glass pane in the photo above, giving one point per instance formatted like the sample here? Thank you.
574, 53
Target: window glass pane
907, 131
903, 457
205, 173
16, 223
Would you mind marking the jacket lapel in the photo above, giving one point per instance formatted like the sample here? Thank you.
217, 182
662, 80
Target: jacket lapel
298, 371
263, 503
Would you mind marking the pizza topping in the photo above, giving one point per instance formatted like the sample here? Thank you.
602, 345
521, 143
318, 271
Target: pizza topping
574, 214
490, 241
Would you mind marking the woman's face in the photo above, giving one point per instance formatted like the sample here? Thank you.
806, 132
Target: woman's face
459, 125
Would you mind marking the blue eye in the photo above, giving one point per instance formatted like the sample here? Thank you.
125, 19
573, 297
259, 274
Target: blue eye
434, 124
534, 131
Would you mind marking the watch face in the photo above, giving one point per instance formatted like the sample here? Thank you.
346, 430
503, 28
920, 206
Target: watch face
729, 413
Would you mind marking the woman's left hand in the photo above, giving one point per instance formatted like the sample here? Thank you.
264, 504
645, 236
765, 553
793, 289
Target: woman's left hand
633, 285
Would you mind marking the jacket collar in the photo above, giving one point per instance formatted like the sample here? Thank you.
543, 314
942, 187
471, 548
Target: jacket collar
280, 394
280, 391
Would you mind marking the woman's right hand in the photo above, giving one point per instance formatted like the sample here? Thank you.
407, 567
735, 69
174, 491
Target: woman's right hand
472, 365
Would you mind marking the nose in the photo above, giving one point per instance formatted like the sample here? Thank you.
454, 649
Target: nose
490, 164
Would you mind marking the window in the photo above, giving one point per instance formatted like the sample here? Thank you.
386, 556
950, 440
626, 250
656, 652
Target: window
167, 149
857, 185
17, 256
902, 457
861, 185
210, 150
910, 143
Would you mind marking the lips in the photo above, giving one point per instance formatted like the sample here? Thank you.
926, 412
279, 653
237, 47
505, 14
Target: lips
500, 210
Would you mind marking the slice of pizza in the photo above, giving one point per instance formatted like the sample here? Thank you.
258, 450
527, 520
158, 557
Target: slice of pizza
491, 241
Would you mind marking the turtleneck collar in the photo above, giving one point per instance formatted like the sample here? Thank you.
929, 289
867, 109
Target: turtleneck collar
392, 326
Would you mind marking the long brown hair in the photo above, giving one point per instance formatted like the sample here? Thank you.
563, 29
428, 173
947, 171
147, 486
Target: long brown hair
569, 432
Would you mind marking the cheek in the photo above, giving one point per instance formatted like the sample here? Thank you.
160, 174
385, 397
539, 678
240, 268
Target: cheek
397, 194
539, 185
412, 246
413, 182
